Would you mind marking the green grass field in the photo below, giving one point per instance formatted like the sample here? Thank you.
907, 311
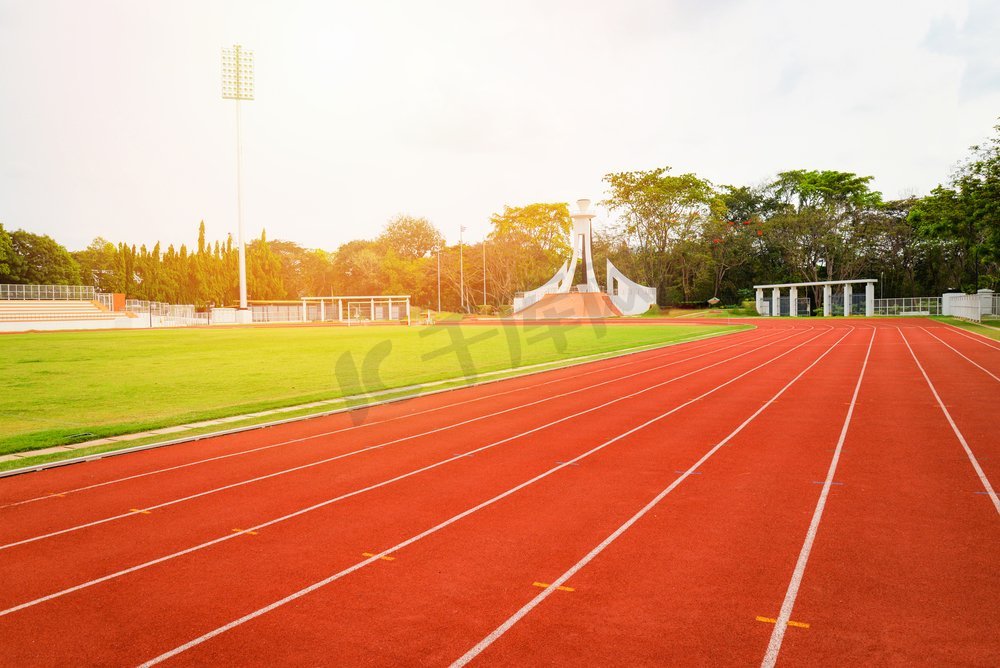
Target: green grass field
64, 388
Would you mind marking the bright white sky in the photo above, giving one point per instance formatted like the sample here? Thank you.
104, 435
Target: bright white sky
112, 122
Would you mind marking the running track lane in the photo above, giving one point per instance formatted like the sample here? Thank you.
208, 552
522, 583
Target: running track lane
214, 583
547, 642
635, 445
977, 339
981, 358
905, 569
455, 587
287, 633
973, 418
684, 584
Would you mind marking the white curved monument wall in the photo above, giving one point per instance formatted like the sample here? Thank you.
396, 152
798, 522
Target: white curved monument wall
550, 286
628, 296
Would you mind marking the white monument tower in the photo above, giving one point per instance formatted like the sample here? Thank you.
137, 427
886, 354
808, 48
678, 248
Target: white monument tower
581, 251
560, 297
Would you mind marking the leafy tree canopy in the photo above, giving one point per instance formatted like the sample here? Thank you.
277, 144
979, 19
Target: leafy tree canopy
540, 226
409, 237
6, 256
38, 259
830, 190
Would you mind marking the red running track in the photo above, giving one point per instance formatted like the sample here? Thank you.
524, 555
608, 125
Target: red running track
807, 493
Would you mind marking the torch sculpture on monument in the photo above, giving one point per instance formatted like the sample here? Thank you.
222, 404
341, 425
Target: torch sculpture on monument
559, 298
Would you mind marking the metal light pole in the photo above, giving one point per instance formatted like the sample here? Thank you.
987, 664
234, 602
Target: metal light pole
439, 279
484, 272
461, 268
237, 84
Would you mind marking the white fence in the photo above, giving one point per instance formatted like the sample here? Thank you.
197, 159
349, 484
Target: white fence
983, 305
53, 292
353, 309
802, 307
908, 306
965, 306
376, 310
223, 316
161, 314
288, 313
160, 308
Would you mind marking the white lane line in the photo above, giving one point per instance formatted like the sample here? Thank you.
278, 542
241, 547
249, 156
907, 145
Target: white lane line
409, 541
666, 349
954, 427
991, 374
370, 448
322, 504
778, 634
494, 635
975, 336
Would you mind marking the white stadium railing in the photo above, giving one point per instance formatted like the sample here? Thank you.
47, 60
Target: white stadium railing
74, 306
47, 292
908, 306
106, 299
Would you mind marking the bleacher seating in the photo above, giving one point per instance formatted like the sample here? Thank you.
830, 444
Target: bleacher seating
16, 310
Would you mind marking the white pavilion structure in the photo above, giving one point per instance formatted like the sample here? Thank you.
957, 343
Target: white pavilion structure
772, 307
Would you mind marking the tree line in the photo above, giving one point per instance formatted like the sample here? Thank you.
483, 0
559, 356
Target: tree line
689, 238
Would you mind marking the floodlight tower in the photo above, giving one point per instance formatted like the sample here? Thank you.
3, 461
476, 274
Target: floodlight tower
237, 84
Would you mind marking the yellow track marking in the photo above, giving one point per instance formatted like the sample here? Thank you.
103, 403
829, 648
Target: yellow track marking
383, 558
252, 533
59, 494
140, 511
545, 585
770, 620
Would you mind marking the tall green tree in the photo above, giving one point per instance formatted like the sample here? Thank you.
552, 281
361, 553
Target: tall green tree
965, 215
38, 259
6, 256
358, 268
540, 226
96, 264
816, 227
316, 275
660, 220
263, 270
526, 245
410, 237
729, 244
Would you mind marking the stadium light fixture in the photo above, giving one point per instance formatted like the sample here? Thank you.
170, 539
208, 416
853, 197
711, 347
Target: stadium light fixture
237, 84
